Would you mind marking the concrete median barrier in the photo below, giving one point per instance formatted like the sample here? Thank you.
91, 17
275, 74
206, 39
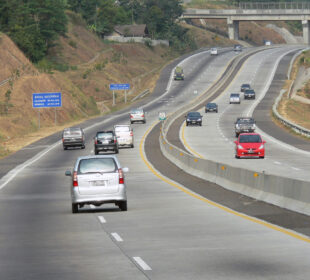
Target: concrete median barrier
285, 192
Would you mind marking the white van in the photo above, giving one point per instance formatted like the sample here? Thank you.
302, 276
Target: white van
124, 135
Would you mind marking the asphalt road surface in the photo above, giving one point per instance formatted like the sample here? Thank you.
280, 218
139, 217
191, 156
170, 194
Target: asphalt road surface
168, 232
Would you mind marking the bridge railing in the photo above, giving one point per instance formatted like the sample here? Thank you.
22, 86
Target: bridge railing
262, 5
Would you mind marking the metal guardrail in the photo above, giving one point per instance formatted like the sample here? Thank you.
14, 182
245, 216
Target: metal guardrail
293, 5
295, 127
289, 193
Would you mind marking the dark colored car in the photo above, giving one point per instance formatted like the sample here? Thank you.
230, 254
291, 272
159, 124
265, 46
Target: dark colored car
105, 141
73, 137
249, 94
211, 107
193, 118
244, 87
237, 48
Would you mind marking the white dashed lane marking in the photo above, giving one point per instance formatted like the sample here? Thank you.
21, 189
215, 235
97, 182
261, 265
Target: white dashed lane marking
117, 237
102, 219
142, 263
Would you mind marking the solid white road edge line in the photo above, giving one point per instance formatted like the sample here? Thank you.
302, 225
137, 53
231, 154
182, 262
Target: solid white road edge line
142, 263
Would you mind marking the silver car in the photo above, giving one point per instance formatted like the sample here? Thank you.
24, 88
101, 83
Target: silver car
124, 135
234, 98
97, 180
137, 115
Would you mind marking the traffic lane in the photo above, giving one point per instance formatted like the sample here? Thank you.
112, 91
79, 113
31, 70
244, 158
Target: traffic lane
43, 238
227, 116
217, 253
30, 151
36, 189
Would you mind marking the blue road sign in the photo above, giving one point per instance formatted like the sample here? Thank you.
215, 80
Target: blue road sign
43, 100
119, 86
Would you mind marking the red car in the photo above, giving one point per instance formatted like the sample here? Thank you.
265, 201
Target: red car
250, 145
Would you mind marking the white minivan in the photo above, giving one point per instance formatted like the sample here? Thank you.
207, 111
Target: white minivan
124, 135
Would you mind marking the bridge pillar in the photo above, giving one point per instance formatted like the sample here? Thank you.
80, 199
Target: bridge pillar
305, 30
233, 29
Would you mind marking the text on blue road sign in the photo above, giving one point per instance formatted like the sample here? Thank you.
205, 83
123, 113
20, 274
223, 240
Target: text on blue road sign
42, 100
119, 86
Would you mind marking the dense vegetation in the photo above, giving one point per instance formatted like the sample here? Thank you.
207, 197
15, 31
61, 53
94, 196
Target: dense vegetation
159, 15
35, 25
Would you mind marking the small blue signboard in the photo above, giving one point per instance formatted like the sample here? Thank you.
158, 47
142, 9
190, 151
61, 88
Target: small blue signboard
119, 86
46, 100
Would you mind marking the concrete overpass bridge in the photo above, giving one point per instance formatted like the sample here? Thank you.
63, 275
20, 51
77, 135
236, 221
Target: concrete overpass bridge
234, 16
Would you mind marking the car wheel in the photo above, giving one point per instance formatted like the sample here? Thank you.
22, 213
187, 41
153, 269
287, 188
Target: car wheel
96, 152
144, 121
131, 122
123, 205
206, 111
116, 150
75, 208
186, 123
65, 148
200, 124
237, 157
83, 147
262, 157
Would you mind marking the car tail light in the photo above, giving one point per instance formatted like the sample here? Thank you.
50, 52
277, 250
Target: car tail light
75, 181
131, 133
115, 140
142, 115
131, 116
96, 142
121, 176
63, 139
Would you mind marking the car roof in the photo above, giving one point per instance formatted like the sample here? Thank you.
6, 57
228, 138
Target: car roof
97, 156
117, 125
245, 85
250, 134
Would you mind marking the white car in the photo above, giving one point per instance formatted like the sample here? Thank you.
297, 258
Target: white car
137, 115
267, 43
213, 51
124, 135
234, 98
96, 180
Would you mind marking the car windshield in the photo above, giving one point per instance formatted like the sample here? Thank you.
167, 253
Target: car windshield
249, 91
211, 105
194, 114
234, 95
250, 139
104, 135
246, 85
122, 128
213, 49
97, 165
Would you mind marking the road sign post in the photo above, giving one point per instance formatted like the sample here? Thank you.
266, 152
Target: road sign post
46, 100
114, 87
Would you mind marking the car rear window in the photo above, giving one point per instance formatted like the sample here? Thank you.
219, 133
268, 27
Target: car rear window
72, 133
250, 139
137, 111
97, 165
234, 95
122, 128
211, 105
194, 114
104, 135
